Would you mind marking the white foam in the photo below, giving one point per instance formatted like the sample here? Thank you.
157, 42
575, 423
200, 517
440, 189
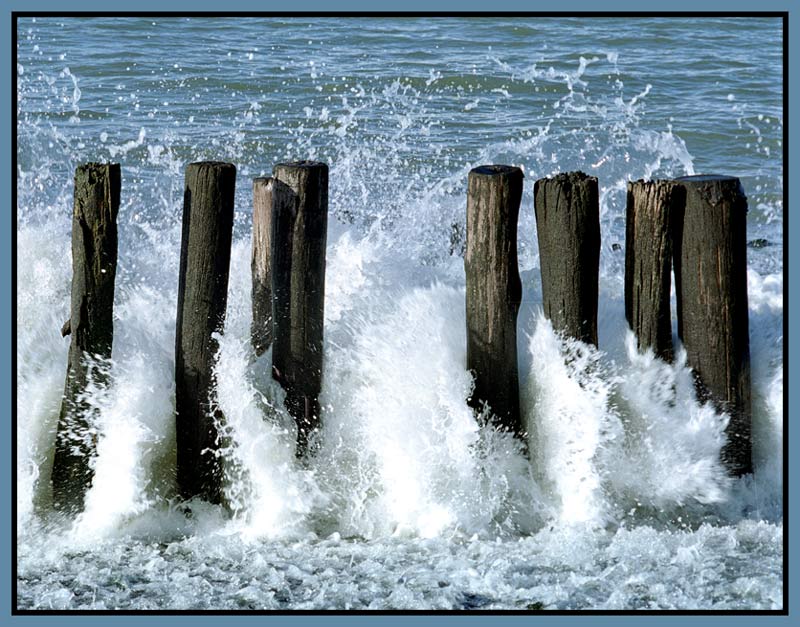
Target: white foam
43, 275
408, 503
570, 424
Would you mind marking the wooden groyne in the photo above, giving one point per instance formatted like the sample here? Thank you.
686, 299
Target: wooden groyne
202, 298
494, 291
693, 226
653, 220
713, 318
696, 227
568, 228
90, 327
299, 240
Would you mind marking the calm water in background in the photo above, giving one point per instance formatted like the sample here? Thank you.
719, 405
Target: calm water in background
409, 504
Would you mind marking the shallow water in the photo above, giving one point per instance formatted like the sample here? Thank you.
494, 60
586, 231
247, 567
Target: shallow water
408, 504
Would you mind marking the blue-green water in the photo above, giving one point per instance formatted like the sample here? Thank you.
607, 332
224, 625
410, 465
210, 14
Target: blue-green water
408, 504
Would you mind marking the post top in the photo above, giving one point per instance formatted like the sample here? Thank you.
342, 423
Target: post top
566, 179
714, 187
494, 170
211, 164
302, 163
98, 164
578, 175
643, 181
93, 166
705, 178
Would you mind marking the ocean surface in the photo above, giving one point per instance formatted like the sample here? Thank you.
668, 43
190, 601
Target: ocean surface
408, 504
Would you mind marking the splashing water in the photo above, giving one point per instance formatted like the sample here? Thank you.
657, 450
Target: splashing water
409, 503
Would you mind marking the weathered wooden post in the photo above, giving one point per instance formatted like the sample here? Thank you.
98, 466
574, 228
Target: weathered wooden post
261, 265
711, 277
654, 209
299, 239
494, 290
568, 230
91, 325
202, 297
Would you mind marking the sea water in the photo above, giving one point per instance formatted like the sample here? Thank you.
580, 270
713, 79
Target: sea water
408, 504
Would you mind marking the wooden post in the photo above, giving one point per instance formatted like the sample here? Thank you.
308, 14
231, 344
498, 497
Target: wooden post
202, 297
568, 230
653, 208
261, 265
494, 290
711, 277
91, 324
299, 238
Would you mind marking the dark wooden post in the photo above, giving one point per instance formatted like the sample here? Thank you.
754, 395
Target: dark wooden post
568, 230
494, 290
653, 207
711, 277
261, 265
91, 324
299, 238
202, 297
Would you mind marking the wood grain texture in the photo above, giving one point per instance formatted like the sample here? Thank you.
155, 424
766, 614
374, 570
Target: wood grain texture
653, 208
90, 326
202, 299
494, 291
568, 231
299, 241
713, 318
261, 265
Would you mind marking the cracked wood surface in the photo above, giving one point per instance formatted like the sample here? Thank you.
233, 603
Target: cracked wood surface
568, 231
653, 209
494, 290
202, 299
713, 317
299, 241
90, 326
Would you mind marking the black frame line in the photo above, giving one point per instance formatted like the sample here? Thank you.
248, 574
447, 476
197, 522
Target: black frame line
784, 15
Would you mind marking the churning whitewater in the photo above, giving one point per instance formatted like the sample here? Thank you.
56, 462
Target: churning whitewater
621, 501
